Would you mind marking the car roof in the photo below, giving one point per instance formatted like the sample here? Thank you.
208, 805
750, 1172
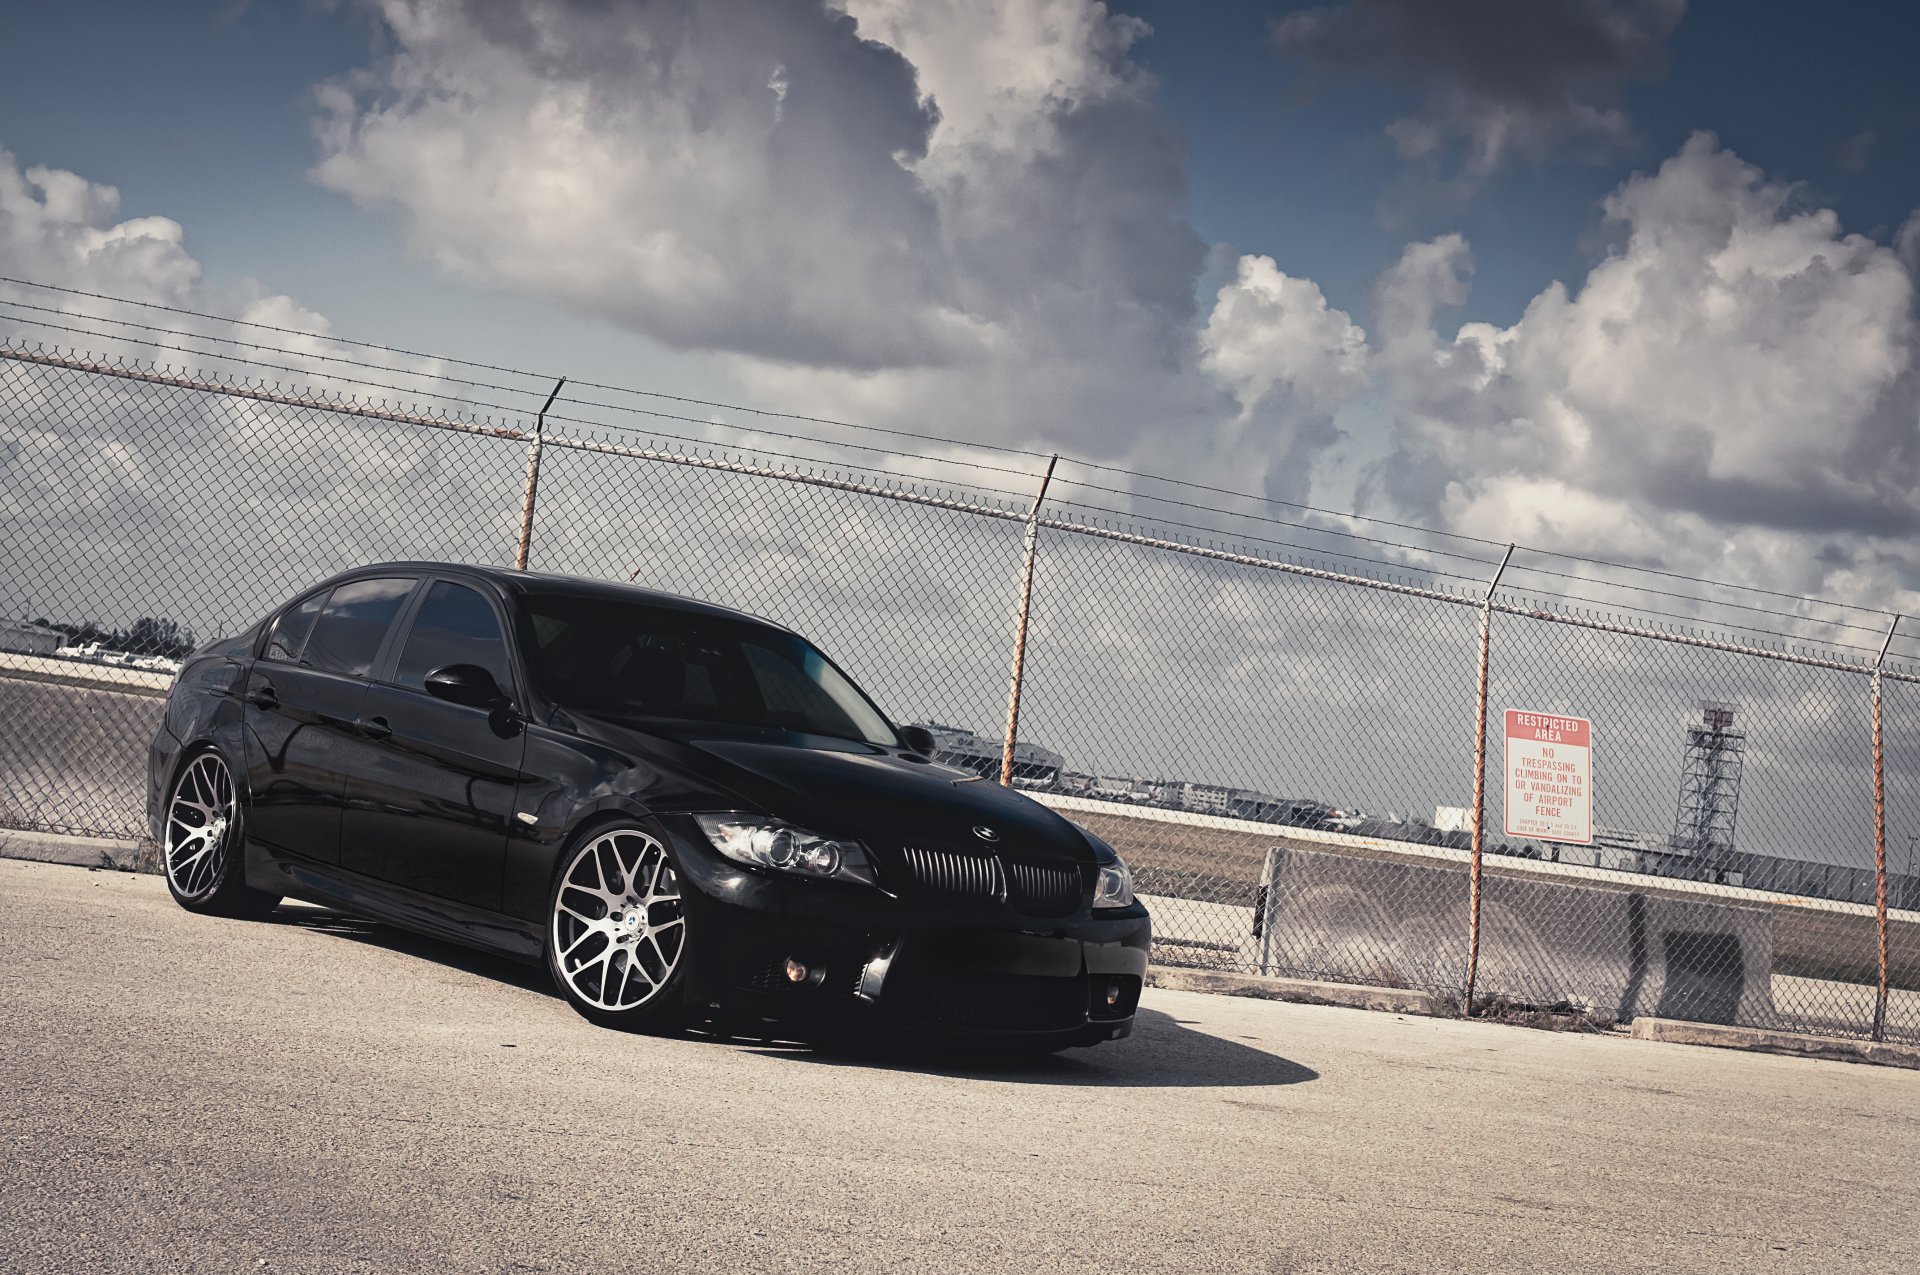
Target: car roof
551, 584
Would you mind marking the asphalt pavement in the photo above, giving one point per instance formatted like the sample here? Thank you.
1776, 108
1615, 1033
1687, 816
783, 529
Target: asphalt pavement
315, 1093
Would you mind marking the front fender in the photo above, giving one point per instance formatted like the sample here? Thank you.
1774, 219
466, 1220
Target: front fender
567, 783
203, 707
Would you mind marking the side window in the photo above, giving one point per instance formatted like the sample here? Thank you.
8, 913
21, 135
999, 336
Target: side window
454, 626
291, 629
348, 634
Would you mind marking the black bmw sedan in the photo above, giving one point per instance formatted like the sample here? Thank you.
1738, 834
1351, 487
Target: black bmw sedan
689, 814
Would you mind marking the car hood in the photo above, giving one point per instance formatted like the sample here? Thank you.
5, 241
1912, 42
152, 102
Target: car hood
841, 788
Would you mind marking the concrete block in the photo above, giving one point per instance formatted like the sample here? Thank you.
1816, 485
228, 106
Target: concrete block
1610, 950
1797, 1044
79, 852
1392, 1000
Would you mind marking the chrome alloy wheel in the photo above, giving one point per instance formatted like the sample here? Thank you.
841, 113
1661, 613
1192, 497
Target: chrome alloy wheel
618, 925
199, 815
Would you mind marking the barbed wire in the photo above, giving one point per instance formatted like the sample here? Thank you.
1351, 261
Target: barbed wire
1321, 552
1324, 554
462, 383
268, 327
1134, 493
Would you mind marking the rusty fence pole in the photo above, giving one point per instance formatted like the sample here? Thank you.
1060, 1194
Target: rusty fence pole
1480, 784
1020, 628
1880, 838
535, 446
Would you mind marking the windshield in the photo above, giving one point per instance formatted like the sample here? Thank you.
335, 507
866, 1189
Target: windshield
632, 659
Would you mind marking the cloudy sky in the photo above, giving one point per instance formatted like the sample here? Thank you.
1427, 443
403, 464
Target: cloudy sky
1621, 279
1618, 277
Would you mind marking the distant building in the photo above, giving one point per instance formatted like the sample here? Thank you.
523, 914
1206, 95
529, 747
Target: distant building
1141, 792
29, 639
1632, 850
1205, 799
1033, 766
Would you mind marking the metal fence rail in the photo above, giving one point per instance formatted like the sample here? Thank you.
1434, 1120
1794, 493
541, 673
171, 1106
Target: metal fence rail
1286, 728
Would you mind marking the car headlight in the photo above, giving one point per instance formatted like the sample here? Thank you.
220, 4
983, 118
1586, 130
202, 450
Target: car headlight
1115, 888
762, 842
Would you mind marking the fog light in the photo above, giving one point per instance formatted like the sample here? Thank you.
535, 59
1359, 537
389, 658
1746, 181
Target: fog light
1113, 993
796, 971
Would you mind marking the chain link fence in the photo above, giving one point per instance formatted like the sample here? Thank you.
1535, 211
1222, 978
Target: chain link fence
1277, 724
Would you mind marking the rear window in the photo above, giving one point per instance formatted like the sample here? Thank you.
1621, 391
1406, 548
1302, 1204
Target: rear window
291, 629
348, 634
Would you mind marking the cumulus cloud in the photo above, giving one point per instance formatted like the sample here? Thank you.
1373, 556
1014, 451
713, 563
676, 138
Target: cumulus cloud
1496, 79
1271, 333
1290, 361
727, 175
122, 500
65, 230
970, 218
866, 187
1062, 196
58, 227
1732, 389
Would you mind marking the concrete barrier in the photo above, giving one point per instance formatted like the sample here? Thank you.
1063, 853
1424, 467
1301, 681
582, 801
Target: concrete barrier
1616, 951
1218, 859
117, 677
74, 759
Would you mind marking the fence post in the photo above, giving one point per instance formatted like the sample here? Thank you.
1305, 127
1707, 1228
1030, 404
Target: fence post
1880, 838
1480, 784
1263, 908
534, 448
1020, 628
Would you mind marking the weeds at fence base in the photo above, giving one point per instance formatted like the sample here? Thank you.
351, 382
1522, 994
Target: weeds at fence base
1560, 1016
1381, 974
1198, 954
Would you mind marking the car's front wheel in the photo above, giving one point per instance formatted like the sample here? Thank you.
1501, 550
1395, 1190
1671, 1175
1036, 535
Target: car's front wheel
202, 855
617, 940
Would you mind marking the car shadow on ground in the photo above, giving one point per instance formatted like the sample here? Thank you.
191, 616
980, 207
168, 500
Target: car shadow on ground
1162, 1052
392, 938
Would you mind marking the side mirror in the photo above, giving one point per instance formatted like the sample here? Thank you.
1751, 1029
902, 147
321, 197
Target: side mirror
467, 684
918, 739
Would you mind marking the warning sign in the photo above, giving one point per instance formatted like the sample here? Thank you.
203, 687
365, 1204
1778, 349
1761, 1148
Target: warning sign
1549, 777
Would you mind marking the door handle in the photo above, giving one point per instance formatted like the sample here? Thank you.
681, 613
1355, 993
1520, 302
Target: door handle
264, 696
373, 727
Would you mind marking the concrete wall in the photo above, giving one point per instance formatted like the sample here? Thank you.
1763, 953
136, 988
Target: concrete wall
1219, 861
74, 759
1621, 953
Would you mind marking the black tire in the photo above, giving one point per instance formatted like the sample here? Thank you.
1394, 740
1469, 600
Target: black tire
619, 943
206, 871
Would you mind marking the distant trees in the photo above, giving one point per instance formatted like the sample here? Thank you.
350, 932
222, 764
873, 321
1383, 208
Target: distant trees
151, 635
148, 635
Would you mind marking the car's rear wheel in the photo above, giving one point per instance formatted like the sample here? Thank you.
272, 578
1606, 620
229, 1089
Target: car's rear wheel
202, 855
617, 935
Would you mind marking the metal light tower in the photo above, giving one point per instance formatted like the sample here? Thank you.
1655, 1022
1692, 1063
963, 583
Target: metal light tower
1710, 768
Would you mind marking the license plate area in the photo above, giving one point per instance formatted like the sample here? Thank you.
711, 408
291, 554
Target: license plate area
1032, 955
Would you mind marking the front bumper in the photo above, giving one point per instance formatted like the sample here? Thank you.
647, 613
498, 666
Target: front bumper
876, 961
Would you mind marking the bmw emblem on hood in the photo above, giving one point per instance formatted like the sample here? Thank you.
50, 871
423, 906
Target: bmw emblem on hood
985, 833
